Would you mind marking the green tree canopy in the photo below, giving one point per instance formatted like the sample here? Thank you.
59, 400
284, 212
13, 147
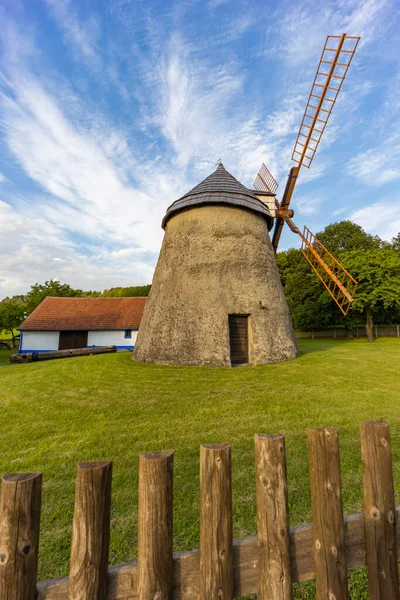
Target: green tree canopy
345, 236
372, 262
11, 316
39, 292
377, 271
309, 303
396, 243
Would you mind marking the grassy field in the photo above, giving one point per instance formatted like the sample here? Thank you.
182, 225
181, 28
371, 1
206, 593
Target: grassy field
57, 413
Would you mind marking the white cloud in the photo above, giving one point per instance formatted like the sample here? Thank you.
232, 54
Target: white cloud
303, 28
82, 37
89, 201
87, 192
366, 18
379, 165
37, 250
340, 211
381, 218
306, 205
215, 3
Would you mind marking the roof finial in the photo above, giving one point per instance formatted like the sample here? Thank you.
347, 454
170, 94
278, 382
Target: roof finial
219, 162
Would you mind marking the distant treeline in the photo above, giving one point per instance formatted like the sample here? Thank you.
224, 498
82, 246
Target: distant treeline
123, 292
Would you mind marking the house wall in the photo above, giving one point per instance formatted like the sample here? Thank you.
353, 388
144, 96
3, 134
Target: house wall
34, 341
39, 340
111, 338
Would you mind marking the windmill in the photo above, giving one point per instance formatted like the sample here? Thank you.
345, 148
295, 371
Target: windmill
332, 69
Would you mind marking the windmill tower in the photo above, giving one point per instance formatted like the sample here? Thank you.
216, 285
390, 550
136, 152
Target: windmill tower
216, 297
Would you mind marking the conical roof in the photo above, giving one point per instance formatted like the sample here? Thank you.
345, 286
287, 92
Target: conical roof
219, 188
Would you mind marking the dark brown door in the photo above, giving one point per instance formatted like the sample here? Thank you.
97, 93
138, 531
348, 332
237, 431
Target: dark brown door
72, 339
239, 339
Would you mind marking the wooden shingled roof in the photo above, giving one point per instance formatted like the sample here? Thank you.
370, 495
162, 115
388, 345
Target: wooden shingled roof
63, 314
220, 188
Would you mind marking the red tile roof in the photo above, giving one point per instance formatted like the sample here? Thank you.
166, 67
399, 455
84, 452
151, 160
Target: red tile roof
56, 314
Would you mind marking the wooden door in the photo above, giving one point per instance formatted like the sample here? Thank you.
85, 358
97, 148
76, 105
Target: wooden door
72, 339
239, 339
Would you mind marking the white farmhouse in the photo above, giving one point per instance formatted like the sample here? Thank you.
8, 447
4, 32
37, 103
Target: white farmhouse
65, 323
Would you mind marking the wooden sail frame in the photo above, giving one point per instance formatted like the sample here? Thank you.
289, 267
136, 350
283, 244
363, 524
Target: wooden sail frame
336, 279
265, 181
332, 69
323, 95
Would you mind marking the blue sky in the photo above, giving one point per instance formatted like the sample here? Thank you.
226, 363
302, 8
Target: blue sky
112, 109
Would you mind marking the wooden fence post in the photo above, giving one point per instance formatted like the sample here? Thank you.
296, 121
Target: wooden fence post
155, 525
272, 518
19, 535
327, 515
216, 576
379, 511
91, 532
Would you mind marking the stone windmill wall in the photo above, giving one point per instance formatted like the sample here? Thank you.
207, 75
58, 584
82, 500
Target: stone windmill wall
216, 260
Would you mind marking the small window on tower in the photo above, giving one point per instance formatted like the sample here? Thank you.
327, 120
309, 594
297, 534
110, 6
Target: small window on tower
128, 334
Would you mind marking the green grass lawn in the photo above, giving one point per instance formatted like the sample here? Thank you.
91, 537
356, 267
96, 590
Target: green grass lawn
57, 413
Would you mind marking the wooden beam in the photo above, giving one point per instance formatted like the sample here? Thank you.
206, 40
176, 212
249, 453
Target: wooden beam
327, 515
35, 356
91, 531
19, 535
379, 511
216, 579
155, 527
272, 518
284, 205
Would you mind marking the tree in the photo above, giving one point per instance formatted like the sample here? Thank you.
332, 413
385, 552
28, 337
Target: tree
132, 291
39, 292
309, 303
373, 263
345, 236
396, 243
12, 315
377, 271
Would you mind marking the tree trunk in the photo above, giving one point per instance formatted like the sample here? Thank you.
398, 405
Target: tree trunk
349, 332
369, 325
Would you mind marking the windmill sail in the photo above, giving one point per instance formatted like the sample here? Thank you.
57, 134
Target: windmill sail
334, 63
265, 182
339, 283
332, 69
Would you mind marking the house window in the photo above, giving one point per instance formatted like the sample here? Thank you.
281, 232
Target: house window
128, 334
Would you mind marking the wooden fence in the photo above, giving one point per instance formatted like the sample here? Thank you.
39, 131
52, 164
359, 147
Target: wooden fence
356, 332
222, 568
